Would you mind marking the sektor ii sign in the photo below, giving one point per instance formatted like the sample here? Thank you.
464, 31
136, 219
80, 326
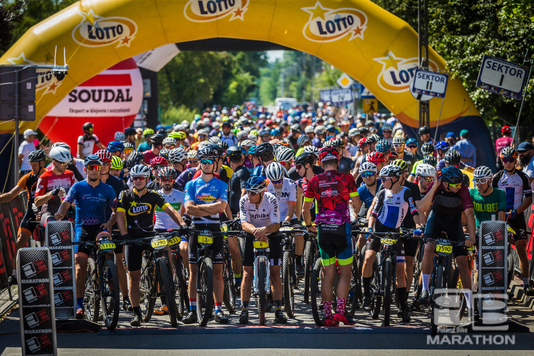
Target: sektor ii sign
327, 25
211, 10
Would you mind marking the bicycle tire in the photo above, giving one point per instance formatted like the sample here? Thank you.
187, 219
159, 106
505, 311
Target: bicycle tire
168, 290
205, 291
308, 268
388, 285
287, 288
150, 289
437, 281
91, 299
355, 291
376, 302
230, 292
262, 297
179, 285
109, 293
315, 291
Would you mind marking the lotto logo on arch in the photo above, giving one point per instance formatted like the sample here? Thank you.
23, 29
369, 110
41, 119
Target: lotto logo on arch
45, 78
397, 73
327, 25
98, 31
211, 10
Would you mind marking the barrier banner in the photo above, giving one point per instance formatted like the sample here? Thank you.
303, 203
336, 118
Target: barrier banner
37, 316
59, 236
8, 236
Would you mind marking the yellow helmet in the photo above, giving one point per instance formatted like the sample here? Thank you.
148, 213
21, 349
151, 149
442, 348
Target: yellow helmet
116, 163
148, 132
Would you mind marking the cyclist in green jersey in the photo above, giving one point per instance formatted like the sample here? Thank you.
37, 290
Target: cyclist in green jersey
487, 201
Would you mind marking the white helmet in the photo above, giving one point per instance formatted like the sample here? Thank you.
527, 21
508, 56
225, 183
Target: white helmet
320, 130
61, 144
140, 170
311, 149
119, 136
248, 143
192, 154
308, 129
275, 172
284, 154
425, 170
177, 155
60, 154
368, 167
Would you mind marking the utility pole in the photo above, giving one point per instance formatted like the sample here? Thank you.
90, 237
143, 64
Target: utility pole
424, 106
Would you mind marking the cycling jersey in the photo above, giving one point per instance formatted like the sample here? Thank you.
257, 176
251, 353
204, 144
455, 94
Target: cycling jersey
259, 171
231, 140
49, 181
29, 182
286, 196
515, 185
332, 190
139, 210
176, 199
88, 144
345, 165
367, 198
448, 204
236, 184
90, 202
200, 192
489, 205
185, 177
502, 142
149, 155
391, 208
265, 214
408, 221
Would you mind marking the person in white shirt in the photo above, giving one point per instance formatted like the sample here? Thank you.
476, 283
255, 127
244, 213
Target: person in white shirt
87, 141
25, 148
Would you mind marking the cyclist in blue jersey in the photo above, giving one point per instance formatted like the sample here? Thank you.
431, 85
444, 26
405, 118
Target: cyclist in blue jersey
91, 197
205, 198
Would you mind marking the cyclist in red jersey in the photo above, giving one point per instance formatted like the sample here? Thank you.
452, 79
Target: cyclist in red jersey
333, 190
502, 142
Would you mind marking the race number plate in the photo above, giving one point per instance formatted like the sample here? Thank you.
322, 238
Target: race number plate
205, 239
224, 227
175, 240
158, 243
286, 229
107, 246
388, 241
444, 248
260, 244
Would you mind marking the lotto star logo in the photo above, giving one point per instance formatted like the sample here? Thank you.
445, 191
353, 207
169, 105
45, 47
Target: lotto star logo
211, 10
397, 72
98, 31
138, 208
327, 25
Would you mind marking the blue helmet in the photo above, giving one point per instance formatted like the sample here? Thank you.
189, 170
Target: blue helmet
252, 150
115, 146
92, 160
383, 146
275, 132
442, 146
411, 141
256, 184
452, 175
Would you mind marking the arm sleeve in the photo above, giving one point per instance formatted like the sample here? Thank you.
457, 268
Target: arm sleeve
80, 140
408, 197
41, 186
310, 194
275, 216
351, 186
379, 203
243, 211
72, 167
292, 193
495, 182
467, 202
502, 200
71, 195
527, 191
22, 181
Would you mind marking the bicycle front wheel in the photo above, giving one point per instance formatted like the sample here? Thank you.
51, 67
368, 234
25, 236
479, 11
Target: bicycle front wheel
109, 293
289, 293
168, 290
308, 269
180, 287
316, 298
388, 285
262, 294
149, 285
91, 298
230, 292
205, 291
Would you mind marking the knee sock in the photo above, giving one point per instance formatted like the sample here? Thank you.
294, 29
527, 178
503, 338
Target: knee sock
193, 304
79, 302
426, 281
340, 305
244, 305
218, 307
327, 305
278, 304
526, 281
137, 310
367, 286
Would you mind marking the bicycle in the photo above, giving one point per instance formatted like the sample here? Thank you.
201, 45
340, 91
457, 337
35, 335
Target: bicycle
230, 290
156, 273
179, 277
262, 279
311, 253
101, 283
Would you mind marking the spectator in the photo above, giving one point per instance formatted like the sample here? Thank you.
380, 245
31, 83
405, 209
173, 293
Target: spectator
526, 151
502, 142
25, 148
450, 138
468, 152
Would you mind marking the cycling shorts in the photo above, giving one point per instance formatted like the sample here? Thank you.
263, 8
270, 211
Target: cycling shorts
275, 250
335, 241
86, 233
216, 248
134, 254
25, 223
436, 224
519, 224
375, 243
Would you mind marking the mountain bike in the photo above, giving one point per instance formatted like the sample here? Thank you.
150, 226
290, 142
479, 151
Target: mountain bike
230, 289
311, 253
289, 273
262, 276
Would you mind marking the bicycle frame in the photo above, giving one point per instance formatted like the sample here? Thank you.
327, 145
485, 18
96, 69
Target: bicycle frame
262, 254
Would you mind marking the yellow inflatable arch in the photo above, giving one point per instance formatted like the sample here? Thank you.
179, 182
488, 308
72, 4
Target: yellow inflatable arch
357, 36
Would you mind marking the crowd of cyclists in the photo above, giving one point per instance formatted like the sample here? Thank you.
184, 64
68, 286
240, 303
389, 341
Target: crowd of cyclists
319, 169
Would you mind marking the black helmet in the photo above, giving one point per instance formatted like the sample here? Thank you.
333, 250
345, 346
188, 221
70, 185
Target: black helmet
208, 152
451, 175
264, 148
453, 157
223, 145
133, 159
424, 130
431, 160
305, 158
235, 151
157, 139
87, 126
427, 148
37, 155
130, 131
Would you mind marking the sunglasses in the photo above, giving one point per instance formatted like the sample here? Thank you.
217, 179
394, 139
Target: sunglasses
507, 160
411, 146
399, 145
278, 181
429, 179
62, 164
107, 163
201, 136
368, 174
193, 160
455, 185
298, 166
207, 161
138, 178
128, 151
163, 180
482, 180
94, 167
252, 193
385, 179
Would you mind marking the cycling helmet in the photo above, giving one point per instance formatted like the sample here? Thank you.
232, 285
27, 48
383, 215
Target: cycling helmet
208, 152
508, 152
61, 144
214, 139
140, 170
105, 155
363, 141
411, 141
328, 143
451, 174
148, 132
92, 160
180, 135
177, 155
453, 157
264, 148
157, 139
442, 145
506, 130
164, 152
284, 154
387, 127
305, 158
275, 132
127, 145
248, 143
424, 130
373, 138
256, 185
302, 140
309, 129
295, 127
169, 141
203, 145
119, 136
129, 132
192, 155
425, 170
115, 146
311, 149
430, 159
391, 171
328, 154
134, 158
376, 157
36, 156
275, 172
367, 167
383, 146
235, 151
167, 173
398, 140
158, 161
223, 145
337, 142
320, 130
354, 132
252, 150
427, 149
116, 163
60, 154
400, 163
482, 172
87, 126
